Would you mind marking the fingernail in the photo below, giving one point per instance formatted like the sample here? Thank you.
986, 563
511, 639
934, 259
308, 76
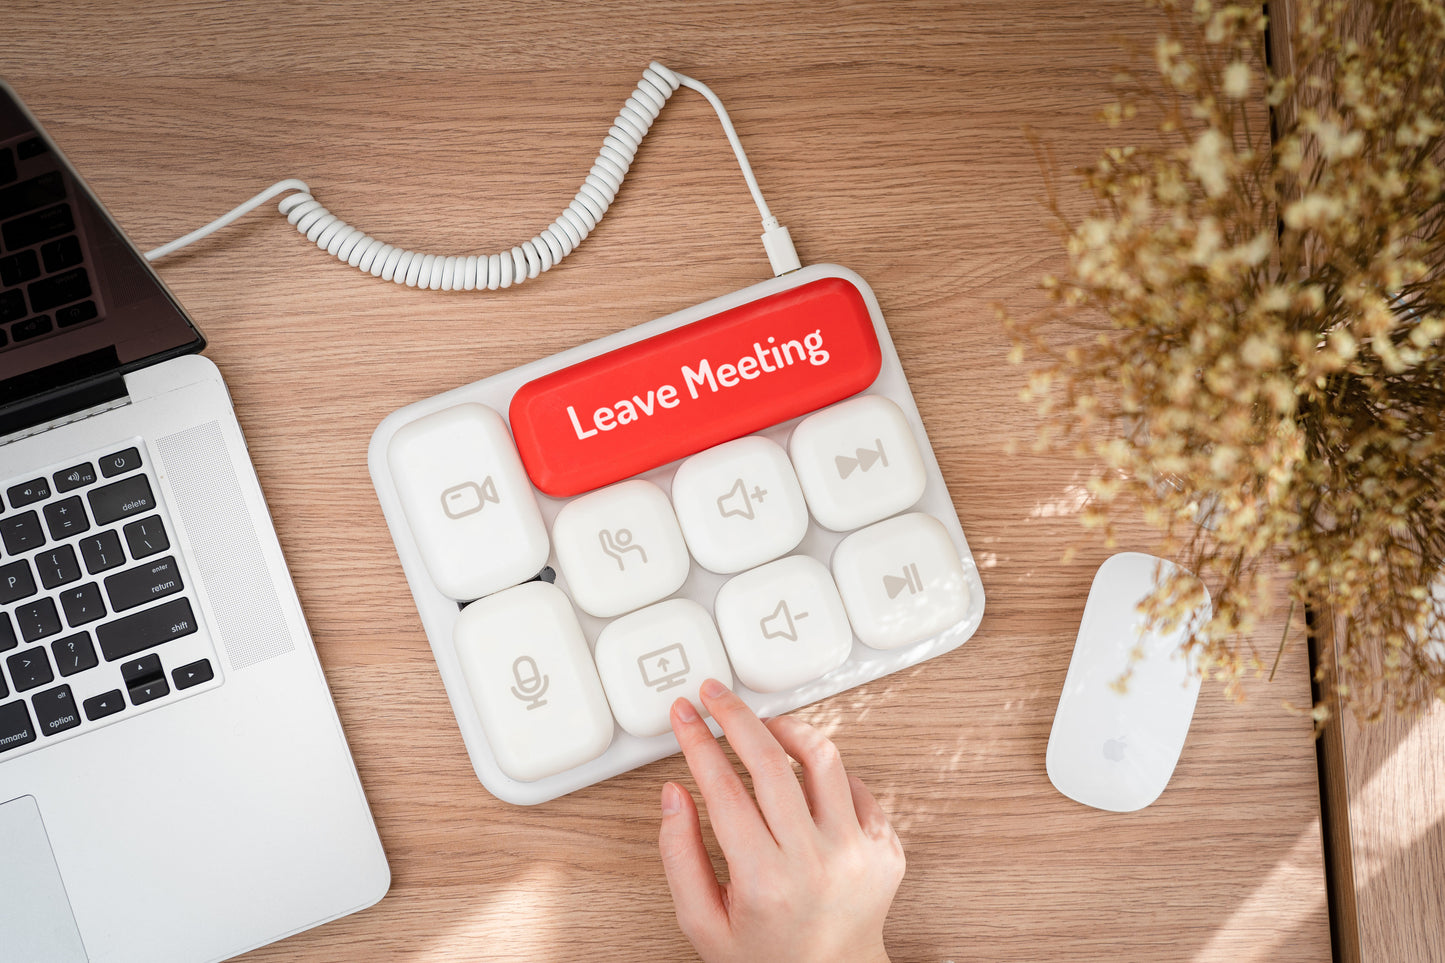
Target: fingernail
712, 688
671, 799
684, 710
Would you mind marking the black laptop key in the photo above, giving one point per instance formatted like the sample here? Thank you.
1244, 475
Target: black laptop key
76, 477
19, 268
122, 499
37, 619
105, 704
145, 629
120, 462
146, 537
58, 289
151, 691
140, 671
27, 493
57, 566
31, 328
28, 195
15, 728
193, 674
61, 253
31, 147
75, 314
101, 552
12, 306
8, 638
4, 692
16, 582
55, 710
7, 166
39, 226
74, 653
82, 604
143, 583
66, 518
22, 533
29, 668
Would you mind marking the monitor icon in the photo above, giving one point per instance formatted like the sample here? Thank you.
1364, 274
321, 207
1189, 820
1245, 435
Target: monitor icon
665, 668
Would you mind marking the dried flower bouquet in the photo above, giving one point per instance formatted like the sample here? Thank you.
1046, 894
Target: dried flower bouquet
1266, 378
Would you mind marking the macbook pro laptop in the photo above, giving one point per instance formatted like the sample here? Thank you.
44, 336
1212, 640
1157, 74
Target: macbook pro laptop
174, 781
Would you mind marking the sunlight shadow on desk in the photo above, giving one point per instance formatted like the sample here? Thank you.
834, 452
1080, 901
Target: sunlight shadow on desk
1406, 828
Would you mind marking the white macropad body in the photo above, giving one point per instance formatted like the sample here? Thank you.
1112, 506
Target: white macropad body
783, 624
793, 558
532, 681
900, 580
467, 500
620, 548
650, 658
739, 504
857, 462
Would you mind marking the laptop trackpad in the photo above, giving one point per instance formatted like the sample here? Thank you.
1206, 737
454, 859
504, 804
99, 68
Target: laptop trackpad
35, 913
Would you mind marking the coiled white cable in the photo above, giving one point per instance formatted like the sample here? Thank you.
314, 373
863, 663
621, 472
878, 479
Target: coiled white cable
532, 257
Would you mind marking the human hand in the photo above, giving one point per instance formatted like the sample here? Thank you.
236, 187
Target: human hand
812, 869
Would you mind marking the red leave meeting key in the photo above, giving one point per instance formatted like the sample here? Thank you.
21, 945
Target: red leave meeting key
707, 382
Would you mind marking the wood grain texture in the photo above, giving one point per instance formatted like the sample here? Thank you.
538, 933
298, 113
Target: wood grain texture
1385, 817
890, 138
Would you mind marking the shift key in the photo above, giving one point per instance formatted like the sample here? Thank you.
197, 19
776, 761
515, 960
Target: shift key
124, 498
146, 629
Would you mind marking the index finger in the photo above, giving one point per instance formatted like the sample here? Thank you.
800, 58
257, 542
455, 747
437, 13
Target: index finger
735, 819
779, 796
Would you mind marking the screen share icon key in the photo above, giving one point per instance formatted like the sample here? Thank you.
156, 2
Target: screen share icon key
665, 668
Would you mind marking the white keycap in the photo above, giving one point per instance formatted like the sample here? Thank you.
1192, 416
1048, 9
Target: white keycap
649, 659
739, 504
901, 581
783, 624
467, 501
620, 548
858, 462
532, 681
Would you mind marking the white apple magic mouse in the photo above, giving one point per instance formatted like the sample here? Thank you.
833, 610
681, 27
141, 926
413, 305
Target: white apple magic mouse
1113, 750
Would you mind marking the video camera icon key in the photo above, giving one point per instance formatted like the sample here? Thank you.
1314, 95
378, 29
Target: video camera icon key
468, 498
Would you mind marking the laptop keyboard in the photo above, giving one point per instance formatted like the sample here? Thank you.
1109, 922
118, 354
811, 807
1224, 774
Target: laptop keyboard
44, 284
97, 615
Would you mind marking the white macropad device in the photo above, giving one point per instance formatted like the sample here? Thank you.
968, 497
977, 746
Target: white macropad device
742, 490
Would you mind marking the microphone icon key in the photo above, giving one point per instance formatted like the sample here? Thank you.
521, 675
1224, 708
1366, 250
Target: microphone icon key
531, 683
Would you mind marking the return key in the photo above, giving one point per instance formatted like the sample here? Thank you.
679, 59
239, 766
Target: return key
139, 585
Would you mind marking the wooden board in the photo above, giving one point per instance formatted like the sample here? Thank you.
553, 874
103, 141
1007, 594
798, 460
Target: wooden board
1384, 816
890, 138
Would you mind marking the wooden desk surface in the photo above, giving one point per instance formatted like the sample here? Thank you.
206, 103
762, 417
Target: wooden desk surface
889, 137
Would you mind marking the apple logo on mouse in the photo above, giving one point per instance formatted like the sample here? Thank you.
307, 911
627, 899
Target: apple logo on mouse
1114, 749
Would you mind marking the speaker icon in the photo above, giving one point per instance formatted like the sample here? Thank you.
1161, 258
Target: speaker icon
895, 585
862, 460
738, 501
780, 625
